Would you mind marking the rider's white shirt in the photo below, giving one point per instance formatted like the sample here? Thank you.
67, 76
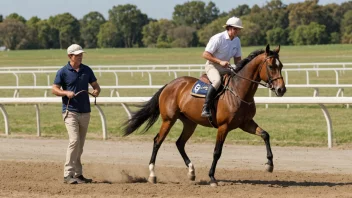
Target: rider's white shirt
223, 48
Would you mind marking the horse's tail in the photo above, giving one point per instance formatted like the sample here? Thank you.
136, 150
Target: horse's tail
149, 112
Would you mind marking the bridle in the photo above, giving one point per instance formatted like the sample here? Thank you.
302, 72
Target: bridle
269, 84
68, 102
270, 79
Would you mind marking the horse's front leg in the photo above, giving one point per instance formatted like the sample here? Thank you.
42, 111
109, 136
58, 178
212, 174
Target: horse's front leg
220, 139
253, 128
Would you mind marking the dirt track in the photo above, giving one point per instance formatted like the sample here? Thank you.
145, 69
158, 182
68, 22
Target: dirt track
33, 168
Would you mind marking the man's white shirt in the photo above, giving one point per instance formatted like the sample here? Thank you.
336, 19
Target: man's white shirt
221, 46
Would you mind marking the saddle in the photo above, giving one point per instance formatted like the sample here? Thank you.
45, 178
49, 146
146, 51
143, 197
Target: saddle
200, 87
200, 90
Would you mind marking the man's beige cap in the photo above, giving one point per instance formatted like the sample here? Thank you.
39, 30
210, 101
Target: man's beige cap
234, 22
75, 49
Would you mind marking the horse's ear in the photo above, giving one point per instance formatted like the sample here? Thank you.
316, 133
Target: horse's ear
277, 50
267, 49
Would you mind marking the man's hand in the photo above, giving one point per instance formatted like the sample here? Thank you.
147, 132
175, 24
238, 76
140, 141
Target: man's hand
70, 94
224, 63
95, 93
96, 89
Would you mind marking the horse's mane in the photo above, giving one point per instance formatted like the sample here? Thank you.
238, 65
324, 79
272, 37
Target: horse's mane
251, 56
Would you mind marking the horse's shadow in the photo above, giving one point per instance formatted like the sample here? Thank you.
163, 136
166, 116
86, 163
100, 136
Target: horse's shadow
271, 183
279, 183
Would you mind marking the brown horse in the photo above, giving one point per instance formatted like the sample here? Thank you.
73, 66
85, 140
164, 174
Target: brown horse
235, 108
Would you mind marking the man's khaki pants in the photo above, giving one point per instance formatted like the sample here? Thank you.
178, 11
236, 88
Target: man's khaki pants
214, 72
77, 126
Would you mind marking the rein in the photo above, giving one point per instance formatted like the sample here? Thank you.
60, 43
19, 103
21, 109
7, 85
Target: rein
226, 87
270, 80
76, 94
267, 85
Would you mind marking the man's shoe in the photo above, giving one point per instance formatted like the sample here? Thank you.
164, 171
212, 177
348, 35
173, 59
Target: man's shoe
70, 180
81, 179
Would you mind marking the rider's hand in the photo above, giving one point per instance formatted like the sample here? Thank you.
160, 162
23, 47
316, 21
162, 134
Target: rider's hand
224, 63
95, 93
70, 94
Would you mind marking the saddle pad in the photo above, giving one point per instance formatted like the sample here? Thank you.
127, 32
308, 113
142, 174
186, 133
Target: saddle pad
200, 89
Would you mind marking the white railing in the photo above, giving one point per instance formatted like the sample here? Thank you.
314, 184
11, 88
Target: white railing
174, 72
168, 66
122, 100
114, 88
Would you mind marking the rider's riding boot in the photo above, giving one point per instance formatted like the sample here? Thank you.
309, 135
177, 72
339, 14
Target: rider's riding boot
209, 98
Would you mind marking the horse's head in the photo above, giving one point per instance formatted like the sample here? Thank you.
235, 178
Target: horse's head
270, 71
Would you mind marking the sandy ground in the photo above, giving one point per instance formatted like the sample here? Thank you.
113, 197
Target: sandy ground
34, 168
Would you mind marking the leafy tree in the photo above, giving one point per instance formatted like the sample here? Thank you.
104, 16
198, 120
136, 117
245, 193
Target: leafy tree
48, 36
344, 7
195, 14
16, 17
157, 31
109, 36
335, 38
211, 11
258, 21
211, 29
276, 14
251, 34
130, 22
68, 27
12, 33
182, 36
241, 10
32, 22
150, 33
277, 36
346, 27
255, 9
90, 26
304, 13
329, 18
32, 41
311, 34
163, 44
273, 15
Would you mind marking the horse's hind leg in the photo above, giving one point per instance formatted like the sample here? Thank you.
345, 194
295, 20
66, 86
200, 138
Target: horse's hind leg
158, 140
188, 129
253, 128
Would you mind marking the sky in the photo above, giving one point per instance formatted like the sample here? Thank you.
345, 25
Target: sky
155, 9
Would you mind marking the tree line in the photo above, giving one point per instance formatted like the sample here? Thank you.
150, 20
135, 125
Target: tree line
192, 24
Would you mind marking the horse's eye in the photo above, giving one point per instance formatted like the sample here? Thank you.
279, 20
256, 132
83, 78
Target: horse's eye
270, 67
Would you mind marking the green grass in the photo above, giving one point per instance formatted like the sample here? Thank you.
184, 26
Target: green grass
145, 56
299, 125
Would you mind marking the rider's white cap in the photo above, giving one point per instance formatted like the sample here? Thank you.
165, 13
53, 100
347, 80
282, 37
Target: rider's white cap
234, 22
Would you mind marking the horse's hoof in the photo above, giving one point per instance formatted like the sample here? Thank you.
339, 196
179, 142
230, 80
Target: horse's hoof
191, 177
213, 184
269, 168
152, 180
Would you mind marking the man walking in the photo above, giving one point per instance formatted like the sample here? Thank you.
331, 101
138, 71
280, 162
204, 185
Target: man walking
74, 78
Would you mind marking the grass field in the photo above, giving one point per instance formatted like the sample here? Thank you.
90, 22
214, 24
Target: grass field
299, 125
288, 54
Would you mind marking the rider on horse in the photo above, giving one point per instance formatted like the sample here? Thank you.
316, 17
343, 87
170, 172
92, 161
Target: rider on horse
218, 52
